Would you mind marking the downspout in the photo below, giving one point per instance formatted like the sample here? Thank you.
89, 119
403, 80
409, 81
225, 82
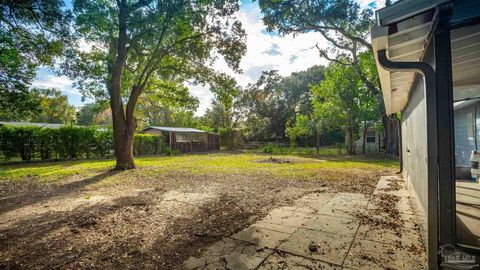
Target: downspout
432, 145
400, 144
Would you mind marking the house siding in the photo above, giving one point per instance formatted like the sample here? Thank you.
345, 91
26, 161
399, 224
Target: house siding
414, 146
465, 142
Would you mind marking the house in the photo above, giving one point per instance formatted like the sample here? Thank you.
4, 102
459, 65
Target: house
373, 140
186, 139
428, 58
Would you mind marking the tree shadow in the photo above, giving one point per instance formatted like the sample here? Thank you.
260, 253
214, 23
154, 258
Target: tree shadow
112, 235
28, 198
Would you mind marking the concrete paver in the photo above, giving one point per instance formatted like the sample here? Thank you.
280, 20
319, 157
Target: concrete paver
331, 224
331, 248
285, 261
229, 254
322, 231
372, 255
261, 237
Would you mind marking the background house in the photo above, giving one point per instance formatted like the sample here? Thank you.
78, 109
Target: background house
373, 140
186, 139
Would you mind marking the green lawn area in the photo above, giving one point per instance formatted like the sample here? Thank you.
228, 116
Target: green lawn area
299, 166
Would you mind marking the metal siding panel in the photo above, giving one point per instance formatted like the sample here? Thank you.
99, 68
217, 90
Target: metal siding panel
463, 144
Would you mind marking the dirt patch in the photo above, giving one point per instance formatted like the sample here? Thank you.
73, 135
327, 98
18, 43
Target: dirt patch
276, 161
154, 222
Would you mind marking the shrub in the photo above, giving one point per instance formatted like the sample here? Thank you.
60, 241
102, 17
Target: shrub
103, 143
169, 151
19, 141
69, 142
147, 144
268, 148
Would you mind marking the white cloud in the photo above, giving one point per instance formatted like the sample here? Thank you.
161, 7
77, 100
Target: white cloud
52, 81
47, 79
267, 51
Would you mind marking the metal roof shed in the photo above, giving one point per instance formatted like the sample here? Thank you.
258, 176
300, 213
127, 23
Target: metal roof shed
186, 139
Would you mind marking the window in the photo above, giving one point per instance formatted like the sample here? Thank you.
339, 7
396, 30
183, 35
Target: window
370, 136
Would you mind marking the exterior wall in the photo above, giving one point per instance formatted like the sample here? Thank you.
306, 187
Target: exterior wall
414, 146
465, 138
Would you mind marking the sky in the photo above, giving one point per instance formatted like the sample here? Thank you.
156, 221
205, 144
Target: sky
265, 51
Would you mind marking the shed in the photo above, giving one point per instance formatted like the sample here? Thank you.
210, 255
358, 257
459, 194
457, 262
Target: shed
373, 140
186, 139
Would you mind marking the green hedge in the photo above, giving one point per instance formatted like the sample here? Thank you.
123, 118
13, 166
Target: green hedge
69, 142
147, 144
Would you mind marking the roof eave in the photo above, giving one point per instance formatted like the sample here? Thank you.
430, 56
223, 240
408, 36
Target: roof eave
404, 9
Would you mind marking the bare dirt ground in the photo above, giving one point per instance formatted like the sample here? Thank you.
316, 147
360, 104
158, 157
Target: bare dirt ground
154, 222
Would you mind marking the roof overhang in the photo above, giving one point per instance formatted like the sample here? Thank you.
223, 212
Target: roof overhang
404, 41
404, 30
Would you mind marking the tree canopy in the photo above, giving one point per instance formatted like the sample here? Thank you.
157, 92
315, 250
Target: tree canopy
136, 43
32, 34
54, 107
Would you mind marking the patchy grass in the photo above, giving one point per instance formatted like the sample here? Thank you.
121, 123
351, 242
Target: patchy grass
78, 214
305, 167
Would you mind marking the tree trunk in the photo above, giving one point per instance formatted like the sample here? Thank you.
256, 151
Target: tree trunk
351, 141
124, 152
123, 127
317, 143
364, 138
391, 134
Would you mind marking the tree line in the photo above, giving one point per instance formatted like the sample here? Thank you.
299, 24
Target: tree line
134, 57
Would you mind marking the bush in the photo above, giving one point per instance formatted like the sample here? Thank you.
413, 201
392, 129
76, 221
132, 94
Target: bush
19, 141
147, 144
68, 142
169, 151
268, 149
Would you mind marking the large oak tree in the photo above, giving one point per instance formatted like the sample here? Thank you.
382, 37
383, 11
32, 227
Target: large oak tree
345, 25
132, 43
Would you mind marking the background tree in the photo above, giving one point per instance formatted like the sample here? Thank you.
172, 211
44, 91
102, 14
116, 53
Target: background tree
167, 104
135, 42
32, 34
87, 113
345, 25
54, 107
271, 104
336, 101
103, 118
265, 107
303, 127
371, 106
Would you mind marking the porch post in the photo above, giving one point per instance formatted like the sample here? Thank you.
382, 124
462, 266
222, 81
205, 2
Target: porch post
445, 123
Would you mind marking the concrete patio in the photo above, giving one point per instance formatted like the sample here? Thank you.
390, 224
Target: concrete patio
327, 230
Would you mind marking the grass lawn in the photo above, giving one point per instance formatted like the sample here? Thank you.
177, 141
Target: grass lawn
78, 214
